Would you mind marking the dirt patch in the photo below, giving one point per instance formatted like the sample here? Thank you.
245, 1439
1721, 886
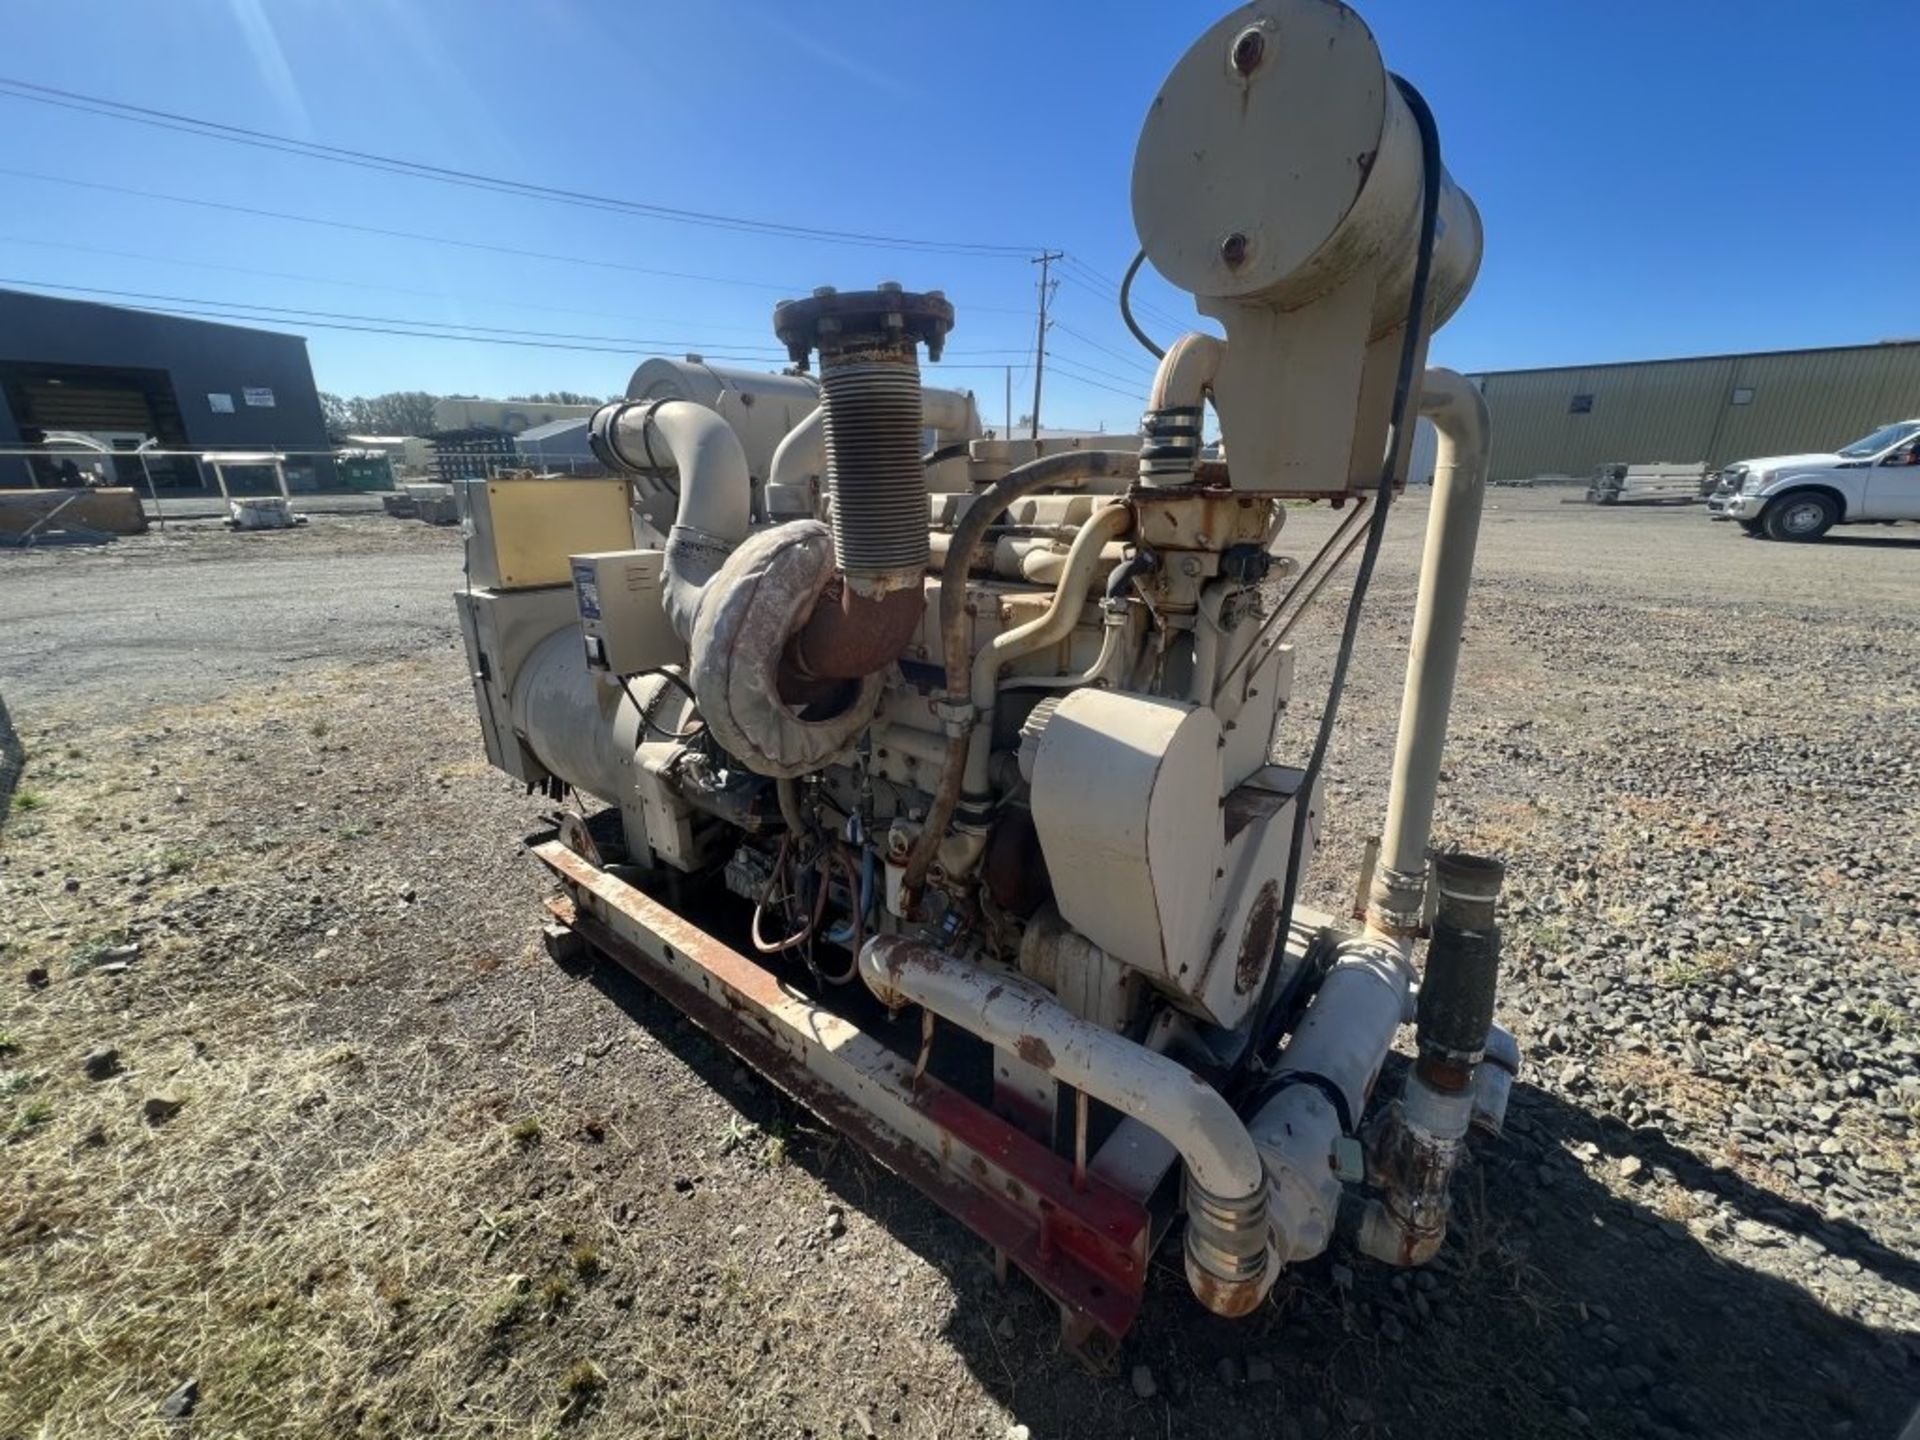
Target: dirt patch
407, 1177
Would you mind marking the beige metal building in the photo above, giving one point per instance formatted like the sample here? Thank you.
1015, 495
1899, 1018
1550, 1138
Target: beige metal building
510, 416
1717, 408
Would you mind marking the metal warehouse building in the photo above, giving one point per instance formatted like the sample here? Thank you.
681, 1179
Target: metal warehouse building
1717, 408
127, 375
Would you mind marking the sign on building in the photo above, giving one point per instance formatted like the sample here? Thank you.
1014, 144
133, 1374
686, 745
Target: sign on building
219, 404
258, 395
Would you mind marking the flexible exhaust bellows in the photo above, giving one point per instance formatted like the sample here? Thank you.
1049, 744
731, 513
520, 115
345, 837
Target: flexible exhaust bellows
871, 408
873, 424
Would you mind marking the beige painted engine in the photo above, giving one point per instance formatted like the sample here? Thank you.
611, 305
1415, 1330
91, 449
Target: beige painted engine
934, 772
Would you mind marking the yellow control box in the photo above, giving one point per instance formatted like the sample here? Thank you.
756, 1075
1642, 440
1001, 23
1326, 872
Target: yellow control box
522, 531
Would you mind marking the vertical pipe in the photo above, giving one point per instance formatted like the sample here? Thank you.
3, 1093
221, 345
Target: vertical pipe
1459, 412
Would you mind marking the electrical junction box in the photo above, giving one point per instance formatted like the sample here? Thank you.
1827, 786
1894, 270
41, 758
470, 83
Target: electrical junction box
623, 624
522, 530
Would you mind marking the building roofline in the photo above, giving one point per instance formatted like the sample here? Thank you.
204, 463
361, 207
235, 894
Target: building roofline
178, 319
1694, 359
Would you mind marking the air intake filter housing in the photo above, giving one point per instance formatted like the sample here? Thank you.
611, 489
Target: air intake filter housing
870, 391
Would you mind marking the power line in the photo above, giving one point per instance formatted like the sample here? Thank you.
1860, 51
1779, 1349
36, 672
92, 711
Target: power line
229, 311
1140, 381
1092, 281
299, 314
393, 234
493, 300
455, 241
1067, 370
1112, 298
1133, 361
369, 160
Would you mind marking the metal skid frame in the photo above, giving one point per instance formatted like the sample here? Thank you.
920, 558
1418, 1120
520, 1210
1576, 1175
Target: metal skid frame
1084, 1239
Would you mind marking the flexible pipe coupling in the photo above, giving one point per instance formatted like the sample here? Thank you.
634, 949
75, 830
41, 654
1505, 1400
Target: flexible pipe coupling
1231, 1261
1463, 969
1397, 902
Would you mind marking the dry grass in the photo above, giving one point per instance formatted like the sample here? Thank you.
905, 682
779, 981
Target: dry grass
394, 1201
369, 1237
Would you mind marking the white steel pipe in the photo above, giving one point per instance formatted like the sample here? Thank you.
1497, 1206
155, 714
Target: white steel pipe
1069, 604
1184, 377
802, 453
1459, 413
1226, 1224
715, 493
1326, 1071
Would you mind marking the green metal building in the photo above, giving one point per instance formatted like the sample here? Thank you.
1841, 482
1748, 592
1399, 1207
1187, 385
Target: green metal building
1714, 408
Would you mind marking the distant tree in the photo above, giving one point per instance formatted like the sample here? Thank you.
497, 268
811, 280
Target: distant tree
401, 412
336, 412
556, 397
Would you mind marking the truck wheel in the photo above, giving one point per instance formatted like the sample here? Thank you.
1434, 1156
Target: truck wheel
1806, 516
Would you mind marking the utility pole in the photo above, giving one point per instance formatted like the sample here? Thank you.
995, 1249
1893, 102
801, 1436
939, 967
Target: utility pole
1008, 432
1045, 261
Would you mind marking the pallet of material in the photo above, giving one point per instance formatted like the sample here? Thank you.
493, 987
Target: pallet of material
36, 516
1662, 483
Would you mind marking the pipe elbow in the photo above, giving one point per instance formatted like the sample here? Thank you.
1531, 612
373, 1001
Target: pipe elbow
802, 451
1459, 412
952, 415
647, 436
1186, 372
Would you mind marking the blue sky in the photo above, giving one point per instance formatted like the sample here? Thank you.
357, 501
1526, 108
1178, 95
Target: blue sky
1656, 178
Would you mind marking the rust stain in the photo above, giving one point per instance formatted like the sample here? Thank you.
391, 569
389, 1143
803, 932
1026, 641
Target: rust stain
1256, 944
1229, 1298
1034, 1050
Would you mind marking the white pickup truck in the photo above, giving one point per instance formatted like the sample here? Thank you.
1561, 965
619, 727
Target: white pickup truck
1801, 497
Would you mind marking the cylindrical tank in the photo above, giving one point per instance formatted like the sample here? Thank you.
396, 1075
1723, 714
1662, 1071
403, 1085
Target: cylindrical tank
761, 408
578, 724
1279, 160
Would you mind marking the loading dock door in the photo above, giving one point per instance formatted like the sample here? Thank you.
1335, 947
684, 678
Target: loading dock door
104, 400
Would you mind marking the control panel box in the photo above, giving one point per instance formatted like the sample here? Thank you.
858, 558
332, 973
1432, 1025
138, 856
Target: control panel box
521, 530
623, 623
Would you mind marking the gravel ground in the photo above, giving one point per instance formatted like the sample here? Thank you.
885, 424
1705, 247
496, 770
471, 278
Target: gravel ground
363, 1163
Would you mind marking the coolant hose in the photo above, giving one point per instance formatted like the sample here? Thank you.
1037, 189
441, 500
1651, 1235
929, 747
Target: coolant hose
1015, 485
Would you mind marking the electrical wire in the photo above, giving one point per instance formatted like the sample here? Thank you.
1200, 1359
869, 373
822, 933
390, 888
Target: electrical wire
767, 894
231, 316
693, 733
388, 232
774, 352
1126, 306
1062, 367
66, 245
369, 160
1107, 290
1126, 357
1404, 384
1139, 381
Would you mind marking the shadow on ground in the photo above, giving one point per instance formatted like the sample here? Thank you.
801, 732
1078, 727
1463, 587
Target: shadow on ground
13, 759
1556, 1307
1904, 540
